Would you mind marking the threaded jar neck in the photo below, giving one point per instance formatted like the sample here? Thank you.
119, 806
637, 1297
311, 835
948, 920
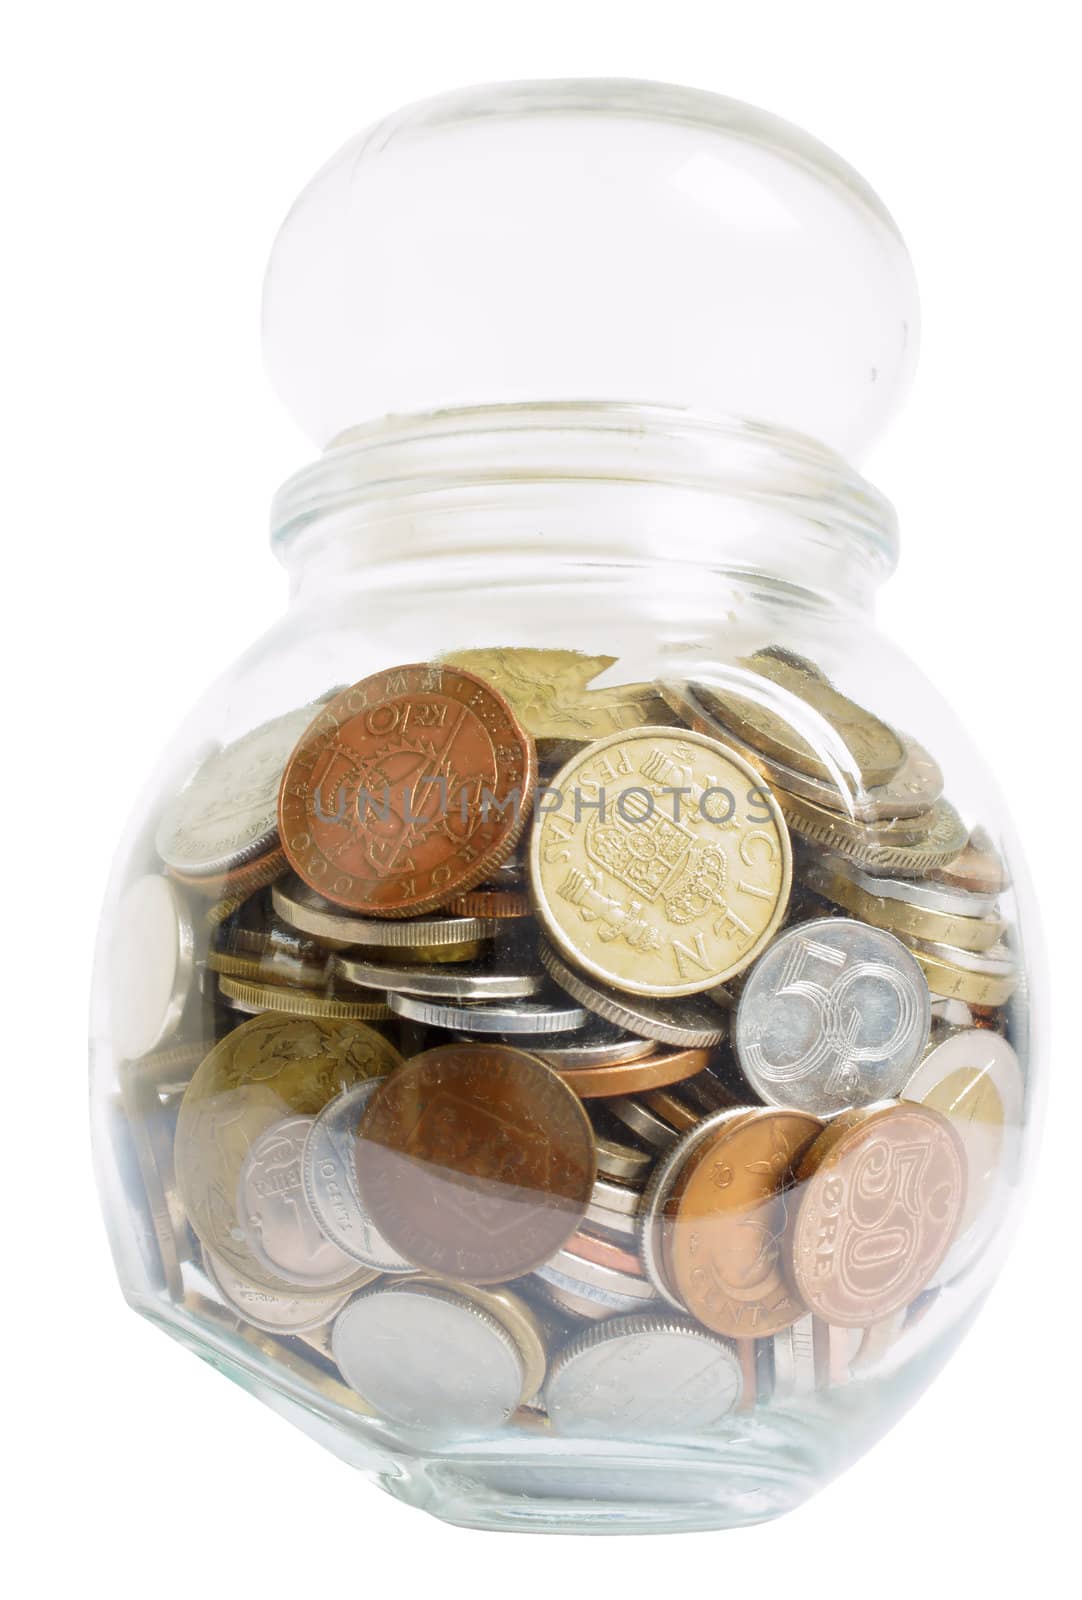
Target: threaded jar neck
460, 494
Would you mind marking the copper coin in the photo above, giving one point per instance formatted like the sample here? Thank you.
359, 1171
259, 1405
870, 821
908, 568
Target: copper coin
652, 1072
407, 789
882, 1195
724, 1223
604, 1254
979, 868
475, 1161
675, 1112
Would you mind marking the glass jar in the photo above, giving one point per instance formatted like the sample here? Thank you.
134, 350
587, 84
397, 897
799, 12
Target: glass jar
562, 1029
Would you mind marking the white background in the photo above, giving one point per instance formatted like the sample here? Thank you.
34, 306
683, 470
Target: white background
150, 152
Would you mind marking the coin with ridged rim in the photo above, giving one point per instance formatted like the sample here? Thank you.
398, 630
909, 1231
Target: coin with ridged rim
406, 789
549, 690
666, 867
476, 1162
274, 1310
302, 908
329, 1174
643, 1376
692, 1022
283, 1232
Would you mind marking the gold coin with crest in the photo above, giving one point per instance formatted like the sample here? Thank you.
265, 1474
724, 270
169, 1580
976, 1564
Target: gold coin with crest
660, 862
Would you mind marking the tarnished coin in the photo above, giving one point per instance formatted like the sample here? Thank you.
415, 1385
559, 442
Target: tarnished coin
282, 1231
617, 1159
259, 997
724, 1221
490, 978
534, 1016
151, 963
643, 1376
406, 789
941, 837
269, 969
549, 692
901, 918
228, 813
274, 1310
978, 869
592, 1247
665, 868
835, 1015
518, 1318
426, 1356
881, 1195
975, 1079
691, 1022
302, 908
268, 1068
329, 1174
476, 1162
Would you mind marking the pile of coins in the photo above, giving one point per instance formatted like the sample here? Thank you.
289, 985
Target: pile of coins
499, 1051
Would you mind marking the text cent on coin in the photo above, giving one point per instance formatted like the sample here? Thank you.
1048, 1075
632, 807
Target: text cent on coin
476, 1162
407, 789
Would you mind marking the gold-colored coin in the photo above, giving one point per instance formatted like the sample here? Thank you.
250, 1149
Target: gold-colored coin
943, 837
959, 983
261, 997
268, 969
666, 867
426, 955
791, 735
269, 1068
515, 1317
902, 918
548, 691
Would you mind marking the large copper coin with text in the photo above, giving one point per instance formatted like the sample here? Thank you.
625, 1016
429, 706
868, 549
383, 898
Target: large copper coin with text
476, 1162
407, 789
724, 1224
882, 1194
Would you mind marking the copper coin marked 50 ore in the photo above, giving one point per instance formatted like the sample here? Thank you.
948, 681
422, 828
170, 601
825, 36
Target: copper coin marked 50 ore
476, 1162
724, 1224
407, 789
883, 1193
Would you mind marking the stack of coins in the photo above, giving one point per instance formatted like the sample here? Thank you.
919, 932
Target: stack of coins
498, 1051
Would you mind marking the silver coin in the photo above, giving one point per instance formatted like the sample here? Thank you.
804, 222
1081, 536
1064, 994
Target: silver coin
509, 1016
281, 1228
488, 979
651, 1211
422, 1355
611, 1301
998, 962
573, 1308
794, 1360
579, 1270
618, 1160
691, 1021
228, 813
620, 1198
641, 1120
834, 1015
953, 1012
151, 964
596, 1044
914, 891
329, 1175
641, 1376
272, 1310
975, 1078
302, 908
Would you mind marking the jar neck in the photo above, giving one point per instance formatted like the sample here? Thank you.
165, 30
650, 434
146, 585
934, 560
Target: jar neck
669, 507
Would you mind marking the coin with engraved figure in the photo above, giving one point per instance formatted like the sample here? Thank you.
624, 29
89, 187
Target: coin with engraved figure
724, 1223
476, 1162
550, 694
880, 1197
228, 812
665, 868
274, 1310
283, 1231
329, 1173
407, 789
270, 1067
643, 1376
835, 1015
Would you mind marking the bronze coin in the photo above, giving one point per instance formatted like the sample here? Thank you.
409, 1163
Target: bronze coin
629, 1077
589, 1247
979, 868
724, 1223
407, 789
476, 1161
882, 1194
